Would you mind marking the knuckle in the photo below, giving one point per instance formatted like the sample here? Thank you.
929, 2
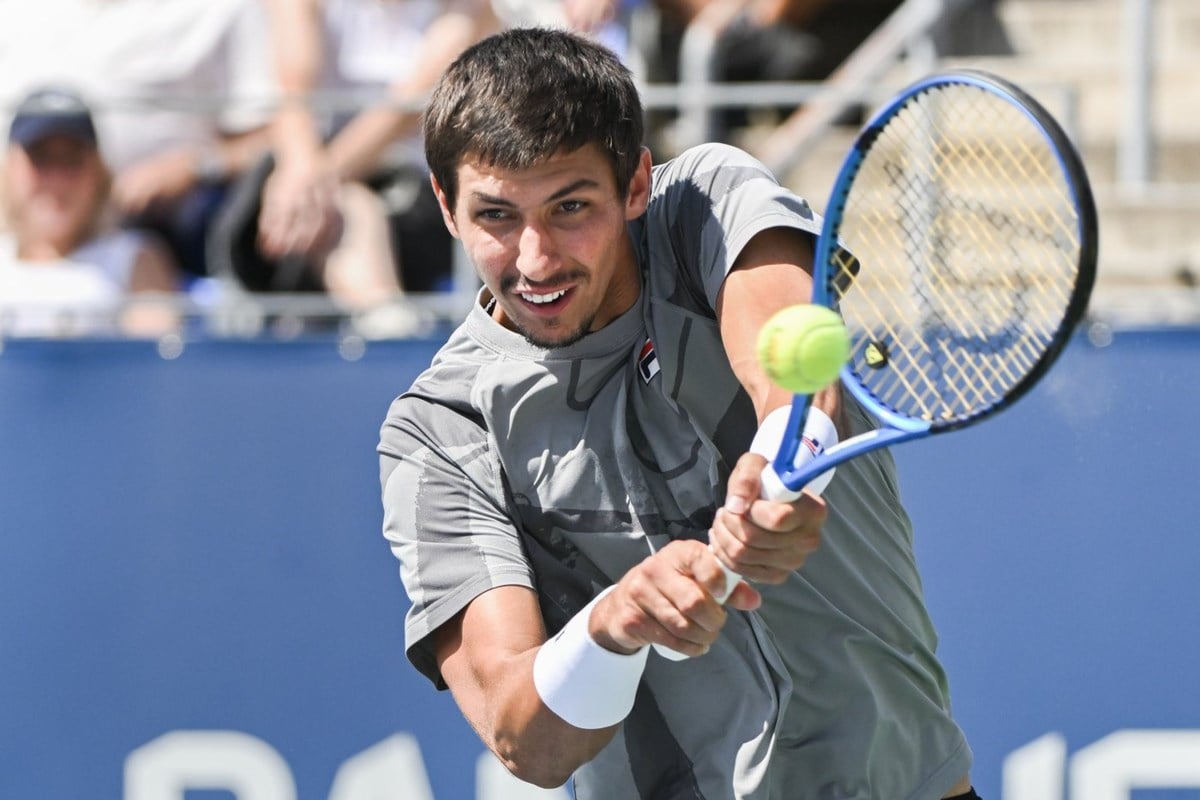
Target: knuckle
681, 547
775, 576
736, 549
776, 516
695, 604
814, 508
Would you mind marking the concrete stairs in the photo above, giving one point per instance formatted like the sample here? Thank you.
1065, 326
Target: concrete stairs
1073, 55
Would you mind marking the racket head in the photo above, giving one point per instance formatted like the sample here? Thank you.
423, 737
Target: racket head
974, 239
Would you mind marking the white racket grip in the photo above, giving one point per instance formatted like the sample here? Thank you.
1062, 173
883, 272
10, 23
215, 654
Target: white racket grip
819, 434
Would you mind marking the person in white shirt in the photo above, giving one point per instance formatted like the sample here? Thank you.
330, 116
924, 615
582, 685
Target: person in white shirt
65, 270
344, 203
180, 93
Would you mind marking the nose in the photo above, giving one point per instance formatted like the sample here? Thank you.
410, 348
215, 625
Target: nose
537, 256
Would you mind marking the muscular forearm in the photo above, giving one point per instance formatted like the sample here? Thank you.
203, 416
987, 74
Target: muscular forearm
297, 53
491, 678
358, 148
530, 740
545, 708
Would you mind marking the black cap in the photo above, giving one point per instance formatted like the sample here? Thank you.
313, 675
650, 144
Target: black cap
49, 112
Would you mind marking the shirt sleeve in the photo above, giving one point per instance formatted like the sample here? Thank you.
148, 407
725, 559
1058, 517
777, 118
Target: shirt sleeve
446, 519
710, 202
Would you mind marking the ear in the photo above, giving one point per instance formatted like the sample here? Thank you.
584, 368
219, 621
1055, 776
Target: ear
447, 213
638, 196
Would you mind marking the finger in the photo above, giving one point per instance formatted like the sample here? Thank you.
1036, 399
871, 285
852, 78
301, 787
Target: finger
271, 244
666, 613
760, 554
744, 598
693, 589
758, 566
687, 590
745, 483
806, 513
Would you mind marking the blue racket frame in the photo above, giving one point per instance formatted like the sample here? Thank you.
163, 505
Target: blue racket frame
897, 428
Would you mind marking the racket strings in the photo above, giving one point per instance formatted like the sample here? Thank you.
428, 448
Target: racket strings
966, 245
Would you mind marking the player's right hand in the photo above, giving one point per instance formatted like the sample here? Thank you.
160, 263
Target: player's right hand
668, 599
765, 540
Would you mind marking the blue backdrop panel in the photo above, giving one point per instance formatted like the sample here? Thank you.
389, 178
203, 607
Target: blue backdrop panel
194, 544
1058, 543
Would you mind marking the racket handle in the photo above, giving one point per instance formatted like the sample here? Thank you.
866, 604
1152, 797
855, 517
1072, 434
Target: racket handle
732, 579
773, 488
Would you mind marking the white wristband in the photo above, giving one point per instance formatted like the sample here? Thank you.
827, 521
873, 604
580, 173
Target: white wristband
819, 434
583, 683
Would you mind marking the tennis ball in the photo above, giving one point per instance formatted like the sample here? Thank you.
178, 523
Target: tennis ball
803, 347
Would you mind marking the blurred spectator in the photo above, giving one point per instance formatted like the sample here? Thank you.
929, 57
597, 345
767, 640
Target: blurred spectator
796, 40
64, 271
759, 40
773, 40
179, 89
804, 40
344, 203
606, 21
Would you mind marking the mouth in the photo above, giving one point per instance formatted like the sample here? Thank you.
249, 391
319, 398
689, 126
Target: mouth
542, 299
545, 303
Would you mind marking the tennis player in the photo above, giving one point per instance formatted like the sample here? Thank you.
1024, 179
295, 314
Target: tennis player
600, 416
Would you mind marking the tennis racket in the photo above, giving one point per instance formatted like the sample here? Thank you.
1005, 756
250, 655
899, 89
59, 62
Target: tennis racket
959, 246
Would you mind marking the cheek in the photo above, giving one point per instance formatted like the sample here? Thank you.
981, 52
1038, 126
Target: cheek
490, 255
591, 245
19, 180
90, 192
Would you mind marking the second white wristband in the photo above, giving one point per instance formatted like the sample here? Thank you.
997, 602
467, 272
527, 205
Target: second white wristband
583, 683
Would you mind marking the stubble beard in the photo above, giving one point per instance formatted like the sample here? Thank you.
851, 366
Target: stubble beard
583, 330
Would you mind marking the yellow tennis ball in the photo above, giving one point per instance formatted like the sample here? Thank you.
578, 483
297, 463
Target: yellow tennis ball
802, 348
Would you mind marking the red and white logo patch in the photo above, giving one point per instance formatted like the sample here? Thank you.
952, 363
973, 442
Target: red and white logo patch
648, 361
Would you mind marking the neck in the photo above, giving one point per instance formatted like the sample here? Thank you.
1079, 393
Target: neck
50, 246
43, 250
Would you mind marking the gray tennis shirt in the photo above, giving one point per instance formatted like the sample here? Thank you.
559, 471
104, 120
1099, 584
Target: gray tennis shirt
559, 469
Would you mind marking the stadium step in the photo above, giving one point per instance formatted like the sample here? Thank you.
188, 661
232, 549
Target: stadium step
1072, 55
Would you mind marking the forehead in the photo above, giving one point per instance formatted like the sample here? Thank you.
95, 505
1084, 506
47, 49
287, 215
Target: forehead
586, 168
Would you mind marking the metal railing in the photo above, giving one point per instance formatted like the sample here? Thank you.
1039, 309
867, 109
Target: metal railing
1134, 150
907, 36
907, 32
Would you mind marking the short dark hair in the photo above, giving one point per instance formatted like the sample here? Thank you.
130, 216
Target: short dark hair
519, 97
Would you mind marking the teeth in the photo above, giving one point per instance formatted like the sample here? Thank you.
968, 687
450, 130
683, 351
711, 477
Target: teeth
543, 298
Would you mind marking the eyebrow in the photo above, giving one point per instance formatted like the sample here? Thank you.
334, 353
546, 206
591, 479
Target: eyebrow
571, 188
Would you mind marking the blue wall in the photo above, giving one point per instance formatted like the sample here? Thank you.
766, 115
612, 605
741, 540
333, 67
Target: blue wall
193, 544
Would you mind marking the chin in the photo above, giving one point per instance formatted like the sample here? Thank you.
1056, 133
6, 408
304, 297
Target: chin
549, 343
556, 337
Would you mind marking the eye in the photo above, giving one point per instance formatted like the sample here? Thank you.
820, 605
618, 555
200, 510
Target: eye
572, 206
492, 215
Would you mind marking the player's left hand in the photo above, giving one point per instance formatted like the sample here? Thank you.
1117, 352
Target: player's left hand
764, 540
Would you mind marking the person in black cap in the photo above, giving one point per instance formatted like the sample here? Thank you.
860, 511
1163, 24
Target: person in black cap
53, 111
64, 269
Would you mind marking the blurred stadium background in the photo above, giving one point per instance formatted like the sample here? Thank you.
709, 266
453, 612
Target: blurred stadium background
196, 602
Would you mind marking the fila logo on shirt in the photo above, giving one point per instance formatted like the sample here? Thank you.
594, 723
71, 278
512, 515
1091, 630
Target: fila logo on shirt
814, 446
648, 361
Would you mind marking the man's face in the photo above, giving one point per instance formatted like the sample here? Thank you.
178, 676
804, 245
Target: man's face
550, 242
54, 187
